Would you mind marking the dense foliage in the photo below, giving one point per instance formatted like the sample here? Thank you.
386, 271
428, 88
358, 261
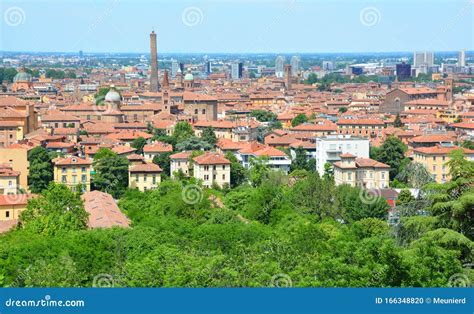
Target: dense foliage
302, 226
41, 169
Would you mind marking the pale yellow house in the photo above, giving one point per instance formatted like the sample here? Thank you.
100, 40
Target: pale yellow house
212, 168
144, 177
73, 171
12, 205
9, 180
18, 159
361, 172
152, 150
435, 158
180, 161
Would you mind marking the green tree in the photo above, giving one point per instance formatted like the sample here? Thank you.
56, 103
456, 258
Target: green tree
300, 160
237, 171
404, 198
111, 173
259, 170
163, 160
392, 153
299, 119
209, 136
453, 201
138, 144
342, 109
182, 131
397, 122
415, 175
7, 74
40, 170
193, 143
468, 144
56, 210
328, 171
263, 115
357, 203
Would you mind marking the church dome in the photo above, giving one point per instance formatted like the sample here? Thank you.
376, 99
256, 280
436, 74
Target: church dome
113, 95
22, 77
189, 77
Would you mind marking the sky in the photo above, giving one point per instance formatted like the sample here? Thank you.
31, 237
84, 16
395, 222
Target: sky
237, 26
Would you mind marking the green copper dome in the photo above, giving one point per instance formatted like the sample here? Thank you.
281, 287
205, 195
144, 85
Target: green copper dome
189, 77
22, 76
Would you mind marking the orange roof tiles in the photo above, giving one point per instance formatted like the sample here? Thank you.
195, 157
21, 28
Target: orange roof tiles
211, 158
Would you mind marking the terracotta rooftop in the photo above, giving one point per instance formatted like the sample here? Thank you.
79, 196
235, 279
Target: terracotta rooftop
103, 211
148, 167
181, 155
211, 158
71, 161
157, 147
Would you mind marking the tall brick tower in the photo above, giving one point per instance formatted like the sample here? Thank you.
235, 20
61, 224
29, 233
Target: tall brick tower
154, 84
288, 76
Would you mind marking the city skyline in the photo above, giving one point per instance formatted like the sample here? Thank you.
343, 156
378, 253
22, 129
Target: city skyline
237, 27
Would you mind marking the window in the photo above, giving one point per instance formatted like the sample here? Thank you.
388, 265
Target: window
223, 167
64, 170
383, 175
206, 177
74, 170
64, 179
196, 111
154, 179
137, 177
83, 169
214, 167
10, 183
434, 167
206, 168
83, 178
203, 111
145, 177
223, 177
7, 214
349, 176
74, 179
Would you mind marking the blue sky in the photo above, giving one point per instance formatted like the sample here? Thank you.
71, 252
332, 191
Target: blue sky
237, 26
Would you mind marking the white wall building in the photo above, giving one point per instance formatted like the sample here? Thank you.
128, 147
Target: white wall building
329, 148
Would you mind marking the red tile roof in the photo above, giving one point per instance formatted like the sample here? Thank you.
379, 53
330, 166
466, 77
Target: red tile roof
103, 211
211, 158
148, 167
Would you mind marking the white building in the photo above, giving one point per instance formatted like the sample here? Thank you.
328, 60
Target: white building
329, 149
277, 159
462, 58
423, 58
280, 66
